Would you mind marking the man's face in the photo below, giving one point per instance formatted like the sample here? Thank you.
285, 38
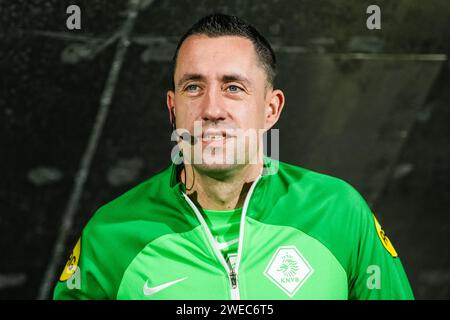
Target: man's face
220, 84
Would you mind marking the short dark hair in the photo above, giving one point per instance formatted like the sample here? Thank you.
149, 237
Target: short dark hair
218, 25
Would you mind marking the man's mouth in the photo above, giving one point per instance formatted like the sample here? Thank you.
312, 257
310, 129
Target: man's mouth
213, 136
209, 136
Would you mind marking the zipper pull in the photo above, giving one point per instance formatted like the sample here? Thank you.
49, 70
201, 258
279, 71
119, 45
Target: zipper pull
233, 279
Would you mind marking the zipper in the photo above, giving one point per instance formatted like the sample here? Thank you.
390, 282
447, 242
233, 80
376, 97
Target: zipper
233, 279
234, 287
232, 273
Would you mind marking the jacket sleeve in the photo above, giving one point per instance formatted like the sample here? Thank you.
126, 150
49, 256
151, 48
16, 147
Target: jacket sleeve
378, 272
82, 277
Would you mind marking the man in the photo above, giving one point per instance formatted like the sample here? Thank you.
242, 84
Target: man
243, 226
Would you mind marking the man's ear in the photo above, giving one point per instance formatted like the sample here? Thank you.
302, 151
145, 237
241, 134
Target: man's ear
274, 106
170, 101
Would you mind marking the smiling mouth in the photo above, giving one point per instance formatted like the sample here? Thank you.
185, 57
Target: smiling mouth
209, 137
215, 136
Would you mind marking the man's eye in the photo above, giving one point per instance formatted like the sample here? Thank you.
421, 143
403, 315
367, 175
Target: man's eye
233, 88
192, 88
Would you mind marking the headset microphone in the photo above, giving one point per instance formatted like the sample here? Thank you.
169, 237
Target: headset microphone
185, 135
173, 119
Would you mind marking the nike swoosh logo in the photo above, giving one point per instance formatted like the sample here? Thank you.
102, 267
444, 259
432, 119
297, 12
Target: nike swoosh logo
150, 291
223, 245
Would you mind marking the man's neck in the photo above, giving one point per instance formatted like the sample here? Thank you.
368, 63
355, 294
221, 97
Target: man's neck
223, 193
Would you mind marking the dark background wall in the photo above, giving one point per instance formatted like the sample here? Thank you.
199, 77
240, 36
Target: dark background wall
83, 117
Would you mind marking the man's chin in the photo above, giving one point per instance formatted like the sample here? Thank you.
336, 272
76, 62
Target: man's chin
217, 166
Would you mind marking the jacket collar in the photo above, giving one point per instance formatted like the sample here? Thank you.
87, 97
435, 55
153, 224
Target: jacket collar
270, 167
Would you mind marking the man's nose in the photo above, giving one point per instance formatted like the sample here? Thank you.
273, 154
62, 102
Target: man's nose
213, 107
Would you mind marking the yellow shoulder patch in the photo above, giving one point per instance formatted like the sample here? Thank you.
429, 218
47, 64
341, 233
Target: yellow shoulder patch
72, 263
384, 239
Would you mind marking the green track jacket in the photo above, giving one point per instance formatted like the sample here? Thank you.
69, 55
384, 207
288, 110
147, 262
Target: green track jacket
303, 235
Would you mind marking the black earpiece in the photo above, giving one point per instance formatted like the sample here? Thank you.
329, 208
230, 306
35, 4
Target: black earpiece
185, 136
173, 120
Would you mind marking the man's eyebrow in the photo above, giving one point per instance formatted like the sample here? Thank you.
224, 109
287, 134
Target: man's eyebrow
190, 76
225, 78
235, 77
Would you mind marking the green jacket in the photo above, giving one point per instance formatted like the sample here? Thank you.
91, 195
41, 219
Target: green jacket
303, 235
